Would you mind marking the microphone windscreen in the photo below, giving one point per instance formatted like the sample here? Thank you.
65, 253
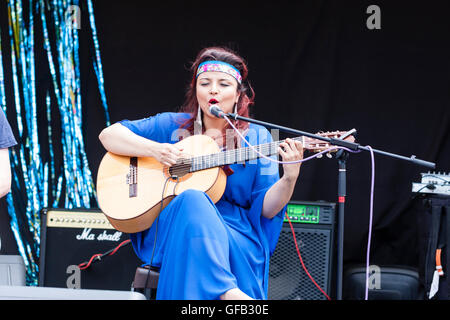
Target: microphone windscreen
216, 111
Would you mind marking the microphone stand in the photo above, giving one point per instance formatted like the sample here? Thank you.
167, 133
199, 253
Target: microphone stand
342, 157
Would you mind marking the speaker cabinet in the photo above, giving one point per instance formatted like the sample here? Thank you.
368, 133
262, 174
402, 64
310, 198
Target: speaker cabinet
314, 228
385, 283
72, 237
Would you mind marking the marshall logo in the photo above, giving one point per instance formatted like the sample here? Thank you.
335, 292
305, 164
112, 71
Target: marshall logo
104, 236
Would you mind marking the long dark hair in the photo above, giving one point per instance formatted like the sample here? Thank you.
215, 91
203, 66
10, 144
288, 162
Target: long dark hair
227, 55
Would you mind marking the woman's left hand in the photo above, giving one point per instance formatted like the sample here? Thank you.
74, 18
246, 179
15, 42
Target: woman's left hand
291, 150
281, 191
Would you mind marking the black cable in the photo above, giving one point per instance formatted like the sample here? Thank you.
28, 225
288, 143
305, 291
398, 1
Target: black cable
98, 257
429, 186
156, 227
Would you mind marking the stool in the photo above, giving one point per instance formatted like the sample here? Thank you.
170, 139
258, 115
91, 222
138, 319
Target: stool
146, 281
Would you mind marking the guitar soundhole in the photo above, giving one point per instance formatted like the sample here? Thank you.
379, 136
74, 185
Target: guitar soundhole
179, 170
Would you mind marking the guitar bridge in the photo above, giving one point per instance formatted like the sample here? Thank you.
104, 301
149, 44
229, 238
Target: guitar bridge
132, 177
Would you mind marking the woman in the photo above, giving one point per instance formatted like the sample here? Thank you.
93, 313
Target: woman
206, 250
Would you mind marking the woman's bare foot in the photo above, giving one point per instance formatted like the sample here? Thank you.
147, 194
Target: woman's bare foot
235, 294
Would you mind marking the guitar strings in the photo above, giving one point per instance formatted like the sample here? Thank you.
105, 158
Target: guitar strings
205, 161
186, 163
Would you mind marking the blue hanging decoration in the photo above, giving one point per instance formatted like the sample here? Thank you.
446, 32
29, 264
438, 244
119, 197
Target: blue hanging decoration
36, 183
25, 220
22, 248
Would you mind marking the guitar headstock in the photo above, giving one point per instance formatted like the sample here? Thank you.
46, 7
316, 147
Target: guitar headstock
316, 145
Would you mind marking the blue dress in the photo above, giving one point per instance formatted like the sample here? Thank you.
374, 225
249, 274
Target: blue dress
204, 249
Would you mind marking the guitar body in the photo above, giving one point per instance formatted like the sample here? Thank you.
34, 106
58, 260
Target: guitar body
131, 197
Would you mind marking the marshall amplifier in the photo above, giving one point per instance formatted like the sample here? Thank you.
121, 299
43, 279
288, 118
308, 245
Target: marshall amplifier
81, 250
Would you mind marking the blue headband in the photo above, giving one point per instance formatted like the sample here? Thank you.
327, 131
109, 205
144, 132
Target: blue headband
220, 66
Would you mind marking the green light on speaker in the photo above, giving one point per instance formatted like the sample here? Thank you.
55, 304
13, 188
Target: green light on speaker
300, 213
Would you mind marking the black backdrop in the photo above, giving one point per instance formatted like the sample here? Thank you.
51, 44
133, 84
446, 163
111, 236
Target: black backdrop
314, 65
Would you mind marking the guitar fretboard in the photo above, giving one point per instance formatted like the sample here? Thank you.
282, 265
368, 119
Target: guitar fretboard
234, 156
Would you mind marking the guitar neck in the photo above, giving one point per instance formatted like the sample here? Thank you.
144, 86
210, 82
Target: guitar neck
235, 155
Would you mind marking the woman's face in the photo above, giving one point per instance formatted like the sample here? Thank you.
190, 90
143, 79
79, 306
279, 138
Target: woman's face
216, 87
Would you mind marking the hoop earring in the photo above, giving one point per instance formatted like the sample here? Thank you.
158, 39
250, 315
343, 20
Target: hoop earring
235, 108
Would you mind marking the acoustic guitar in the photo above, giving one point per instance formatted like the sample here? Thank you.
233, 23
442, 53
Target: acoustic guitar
132, 191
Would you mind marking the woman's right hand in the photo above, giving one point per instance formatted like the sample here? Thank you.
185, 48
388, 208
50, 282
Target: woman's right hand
167, 154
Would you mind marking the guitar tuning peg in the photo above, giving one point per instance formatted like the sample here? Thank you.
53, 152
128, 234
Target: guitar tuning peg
320, 156
329, 155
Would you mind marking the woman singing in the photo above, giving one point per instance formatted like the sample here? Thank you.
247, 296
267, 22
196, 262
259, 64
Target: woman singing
206, 250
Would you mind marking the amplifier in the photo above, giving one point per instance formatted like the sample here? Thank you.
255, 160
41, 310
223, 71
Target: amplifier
433, 183
314, 228
80, 249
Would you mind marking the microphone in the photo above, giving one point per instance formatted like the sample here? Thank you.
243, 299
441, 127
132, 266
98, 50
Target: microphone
216, 111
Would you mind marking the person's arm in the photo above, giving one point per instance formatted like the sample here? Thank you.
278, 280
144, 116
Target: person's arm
120, 140
5, 173
281, 192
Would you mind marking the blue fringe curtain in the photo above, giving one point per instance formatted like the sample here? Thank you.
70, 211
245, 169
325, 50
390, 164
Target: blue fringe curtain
37, 182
